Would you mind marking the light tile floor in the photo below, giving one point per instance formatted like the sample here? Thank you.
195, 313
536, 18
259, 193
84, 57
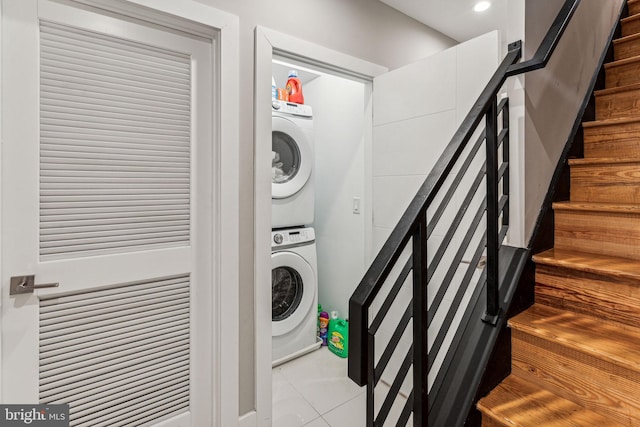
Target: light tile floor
314, 391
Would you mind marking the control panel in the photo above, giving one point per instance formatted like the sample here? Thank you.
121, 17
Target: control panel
291, 108
292, 237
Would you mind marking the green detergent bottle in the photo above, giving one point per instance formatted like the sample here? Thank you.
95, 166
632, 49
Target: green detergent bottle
338, 337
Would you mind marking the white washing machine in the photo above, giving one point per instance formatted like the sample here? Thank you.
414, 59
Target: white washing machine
294, 293
292, 165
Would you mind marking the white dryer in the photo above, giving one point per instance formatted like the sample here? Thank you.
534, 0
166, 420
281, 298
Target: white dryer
294, 293
292, 165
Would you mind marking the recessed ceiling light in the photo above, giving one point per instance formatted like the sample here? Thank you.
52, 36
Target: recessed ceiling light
481, 6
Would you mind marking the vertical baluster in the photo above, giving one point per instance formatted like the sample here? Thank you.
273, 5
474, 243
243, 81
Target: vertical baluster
493, 291
505, 158
371, 382
358, 328
420, 354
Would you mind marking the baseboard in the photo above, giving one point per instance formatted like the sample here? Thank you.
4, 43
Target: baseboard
248, 420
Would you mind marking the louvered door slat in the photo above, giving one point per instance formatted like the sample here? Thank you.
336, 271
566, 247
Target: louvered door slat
108, 320
115, 234
53, 305
117, 148
57, 53
65, 389
57, 93
112, 107
125, 377
142, 409
70, 108
82, 359
125, 410
87, 338
130, 390
83, 63
151, 213
125, 356
122, 340
100, 315
129, 51
135, 350
66, 106
148, 387
100, 306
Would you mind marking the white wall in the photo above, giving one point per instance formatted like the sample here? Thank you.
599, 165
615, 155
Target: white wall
514, 87
417, 109
338, 112
424, 104
362, 28
555, 93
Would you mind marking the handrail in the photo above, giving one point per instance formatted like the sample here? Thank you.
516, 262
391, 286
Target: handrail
549, 43
413, 225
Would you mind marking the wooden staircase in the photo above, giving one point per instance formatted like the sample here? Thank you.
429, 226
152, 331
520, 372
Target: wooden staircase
576, 351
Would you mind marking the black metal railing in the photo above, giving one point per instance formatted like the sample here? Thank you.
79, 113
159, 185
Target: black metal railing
388, 325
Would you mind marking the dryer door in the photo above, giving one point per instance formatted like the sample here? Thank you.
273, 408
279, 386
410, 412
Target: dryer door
293, 286
292, 158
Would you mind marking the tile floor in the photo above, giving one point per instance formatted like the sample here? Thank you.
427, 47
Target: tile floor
314, 391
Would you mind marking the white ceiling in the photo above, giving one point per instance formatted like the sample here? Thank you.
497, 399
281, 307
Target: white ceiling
454, 18
280, 71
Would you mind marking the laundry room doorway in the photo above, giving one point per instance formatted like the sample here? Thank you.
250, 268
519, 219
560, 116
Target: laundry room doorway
340, 184
341, 171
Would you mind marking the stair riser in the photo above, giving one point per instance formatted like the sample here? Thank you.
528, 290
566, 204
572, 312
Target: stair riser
624, 49
606, 297
609, 183
593, 383
487, 421
631, 26
620, 140
622, 75
605, 233
634, 8
618, 105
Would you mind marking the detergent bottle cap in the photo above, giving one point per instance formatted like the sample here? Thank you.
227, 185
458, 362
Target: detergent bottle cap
293, 73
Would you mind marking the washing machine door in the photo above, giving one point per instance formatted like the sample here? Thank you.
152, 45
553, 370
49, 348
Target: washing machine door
292, 158
293, 287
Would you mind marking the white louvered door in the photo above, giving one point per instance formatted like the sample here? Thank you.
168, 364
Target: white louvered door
107, 188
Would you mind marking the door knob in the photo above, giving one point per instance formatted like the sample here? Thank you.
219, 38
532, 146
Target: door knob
26, 284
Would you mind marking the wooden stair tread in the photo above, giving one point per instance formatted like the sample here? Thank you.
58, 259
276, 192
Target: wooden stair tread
625, 39
611, 122
590, 263
630, 18
519, 402
586, 334
618, 89
622, 62
598, 207
603, 161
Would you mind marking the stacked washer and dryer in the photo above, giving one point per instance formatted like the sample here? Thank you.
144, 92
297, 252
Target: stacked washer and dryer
294, 276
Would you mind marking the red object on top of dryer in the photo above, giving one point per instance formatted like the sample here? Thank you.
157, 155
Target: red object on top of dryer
294, 87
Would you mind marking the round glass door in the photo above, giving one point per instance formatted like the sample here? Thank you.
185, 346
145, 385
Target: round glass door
286, 292
291, 158
292, 291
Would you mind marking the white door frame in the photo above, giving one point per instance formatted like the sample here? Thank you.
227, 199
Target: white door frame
268, 42
222, 29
